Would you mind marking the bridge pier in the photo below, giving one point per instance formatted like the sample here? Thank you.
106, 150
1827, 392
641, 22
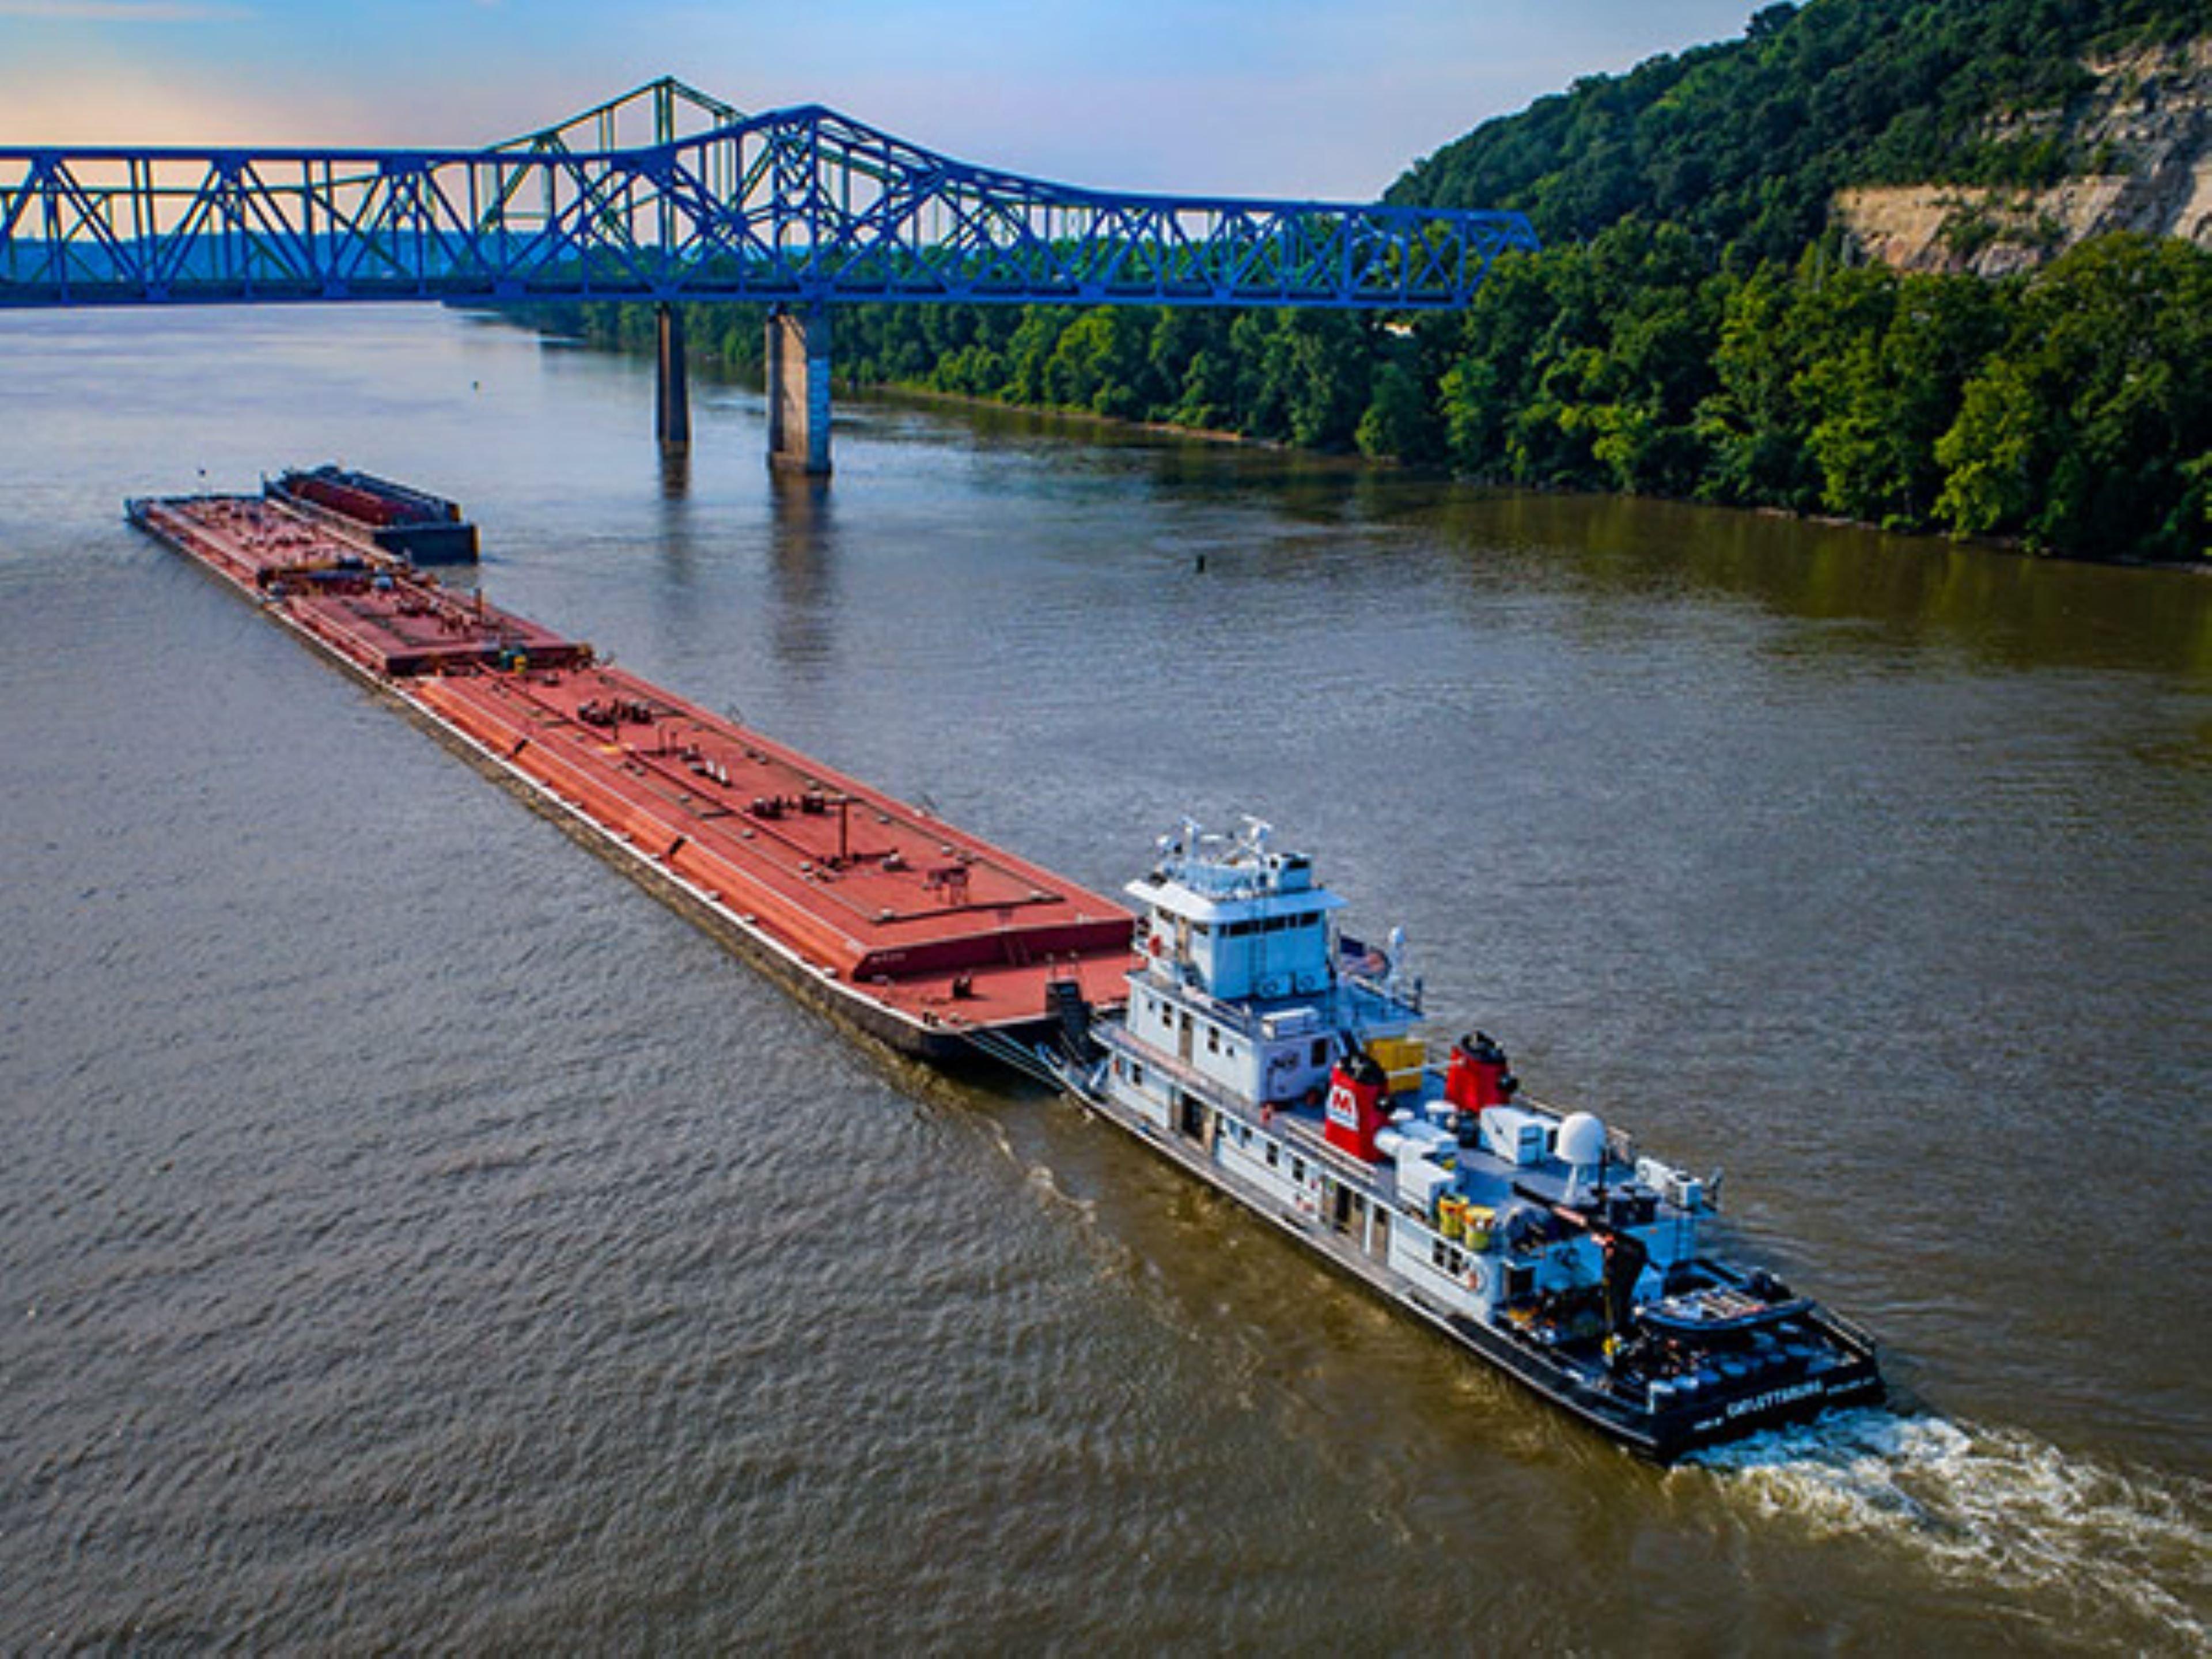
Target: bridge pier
671, 409
798, 390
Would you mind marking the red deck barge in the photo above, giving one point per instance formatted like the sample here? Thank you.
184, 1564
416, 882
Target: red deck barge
927, 937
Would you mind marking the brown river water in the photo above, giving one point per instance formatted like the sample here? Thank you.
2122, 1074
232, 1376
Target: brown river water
414, 1235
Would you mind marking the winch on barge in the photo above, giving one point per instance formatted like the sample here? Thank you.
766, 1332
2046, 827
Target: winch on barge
1276, 1061
925, 937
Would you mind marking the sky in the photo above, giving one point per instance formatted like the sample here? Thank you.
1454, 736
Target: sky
1306, 99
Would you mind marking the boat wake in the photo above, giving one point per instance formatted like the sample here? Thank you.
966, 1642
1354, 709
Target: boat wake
1998, 1508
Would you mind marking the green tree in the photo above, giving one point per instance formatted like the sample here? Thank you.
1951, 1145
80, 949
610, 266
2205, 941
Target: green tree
1889, 395
1496, 367
1331, 359
2087, 433
1753, 425
1028, 352
1100, 364
1397, 425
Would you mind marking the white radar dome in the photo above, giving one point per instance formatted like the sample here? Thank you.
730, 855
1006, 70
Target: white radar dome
1582, 1140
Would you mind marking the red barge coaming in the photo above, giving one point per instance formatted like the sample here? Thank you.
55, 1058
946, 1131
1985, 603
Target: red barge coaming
920, 932
367, 606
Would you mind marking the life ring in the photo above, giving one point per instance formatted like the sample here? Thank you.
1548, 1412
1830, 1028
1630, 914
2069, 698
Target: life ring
1474, 1279
1267, 1114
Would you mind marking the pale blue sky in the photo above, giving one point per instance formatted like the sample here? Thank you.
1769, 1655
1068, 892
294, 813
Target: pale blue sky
1268, 97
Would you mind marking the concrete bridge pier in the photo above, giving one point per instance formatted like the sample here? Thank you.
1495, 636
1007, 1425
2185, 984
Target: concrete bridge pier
799, 390
672, 409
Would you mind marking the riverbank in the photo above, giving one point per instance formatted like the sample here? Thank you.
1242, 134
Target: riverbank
732, 347
1628, 365
919, 392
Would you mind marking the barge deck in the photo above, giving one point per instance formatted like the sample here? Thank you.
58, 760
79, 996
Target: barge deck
923, 935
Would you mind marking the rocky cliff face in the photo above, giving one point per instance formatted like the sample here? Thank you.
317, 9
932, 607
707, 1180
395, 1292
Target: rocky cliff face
2146, 130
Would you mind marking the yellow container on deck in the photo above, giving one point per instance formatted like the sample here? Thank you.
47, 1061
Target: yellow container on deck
1475, 1221
1398, 1054
1452, 1215
1403, 1058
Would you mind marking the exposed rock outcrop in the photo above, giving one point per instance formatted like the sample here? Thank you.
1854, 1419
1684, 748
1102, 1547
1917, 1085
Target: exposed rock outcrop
2147, 131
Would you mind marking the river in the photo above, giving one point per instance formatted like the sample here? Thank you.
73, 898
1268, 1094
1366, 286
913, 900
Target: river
413, 1234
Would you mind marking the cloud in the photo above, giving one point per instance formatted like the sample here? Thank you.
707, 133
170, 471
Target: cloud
109, 103
124, 11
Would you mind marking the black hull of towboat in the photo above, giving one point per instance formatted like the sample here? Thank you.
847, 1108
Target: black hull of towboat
1667, 1435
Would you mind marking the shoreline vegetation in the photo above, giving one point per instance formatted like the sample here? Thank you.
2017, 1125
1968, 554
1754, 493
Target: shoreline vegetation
919, 392
2068, 412
1699, 327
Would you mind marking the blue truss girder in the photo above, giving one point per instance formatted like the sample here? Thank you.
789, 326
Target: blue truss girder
797, 206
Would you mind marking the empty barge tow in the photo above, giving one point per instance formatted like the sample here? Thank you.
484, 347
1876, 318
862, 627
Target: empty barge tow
923, 936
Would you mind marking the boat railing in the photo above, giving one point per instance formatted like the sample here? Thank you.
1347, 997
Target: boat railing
1401, 1000
1278, 1122
1849, 1329
1366, 1177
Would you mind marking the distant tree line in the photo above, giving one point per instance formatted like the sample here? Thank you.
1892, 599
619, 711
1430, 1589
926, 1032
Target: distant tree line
2071, 409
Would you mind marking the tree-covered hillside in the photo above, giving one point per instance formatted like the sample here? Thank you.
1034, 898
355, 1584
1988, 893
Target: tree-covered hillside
1695, 327
1746, 143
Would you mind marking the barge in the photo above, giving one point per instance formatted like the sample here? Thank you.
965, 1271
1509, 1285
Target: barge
920, 934
393, 517
1275, 1059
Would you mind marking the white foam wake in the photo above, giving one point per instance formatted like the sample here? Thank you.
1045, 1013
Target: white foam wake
1996, 1506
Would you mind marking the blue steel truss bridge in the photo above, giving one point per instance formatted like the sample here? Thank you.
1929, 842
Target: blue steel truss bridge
666, 195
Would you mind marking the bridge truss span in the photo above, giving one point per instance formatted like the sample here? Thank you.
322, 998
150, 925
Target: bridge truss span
801, 206
667, 195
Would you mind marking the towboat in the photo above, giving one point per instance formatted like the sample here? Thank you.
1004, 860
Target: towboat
1276, 1058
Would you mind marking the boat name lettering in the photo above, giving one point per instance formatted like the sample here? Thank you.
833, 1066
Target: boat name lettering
1759, 1403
